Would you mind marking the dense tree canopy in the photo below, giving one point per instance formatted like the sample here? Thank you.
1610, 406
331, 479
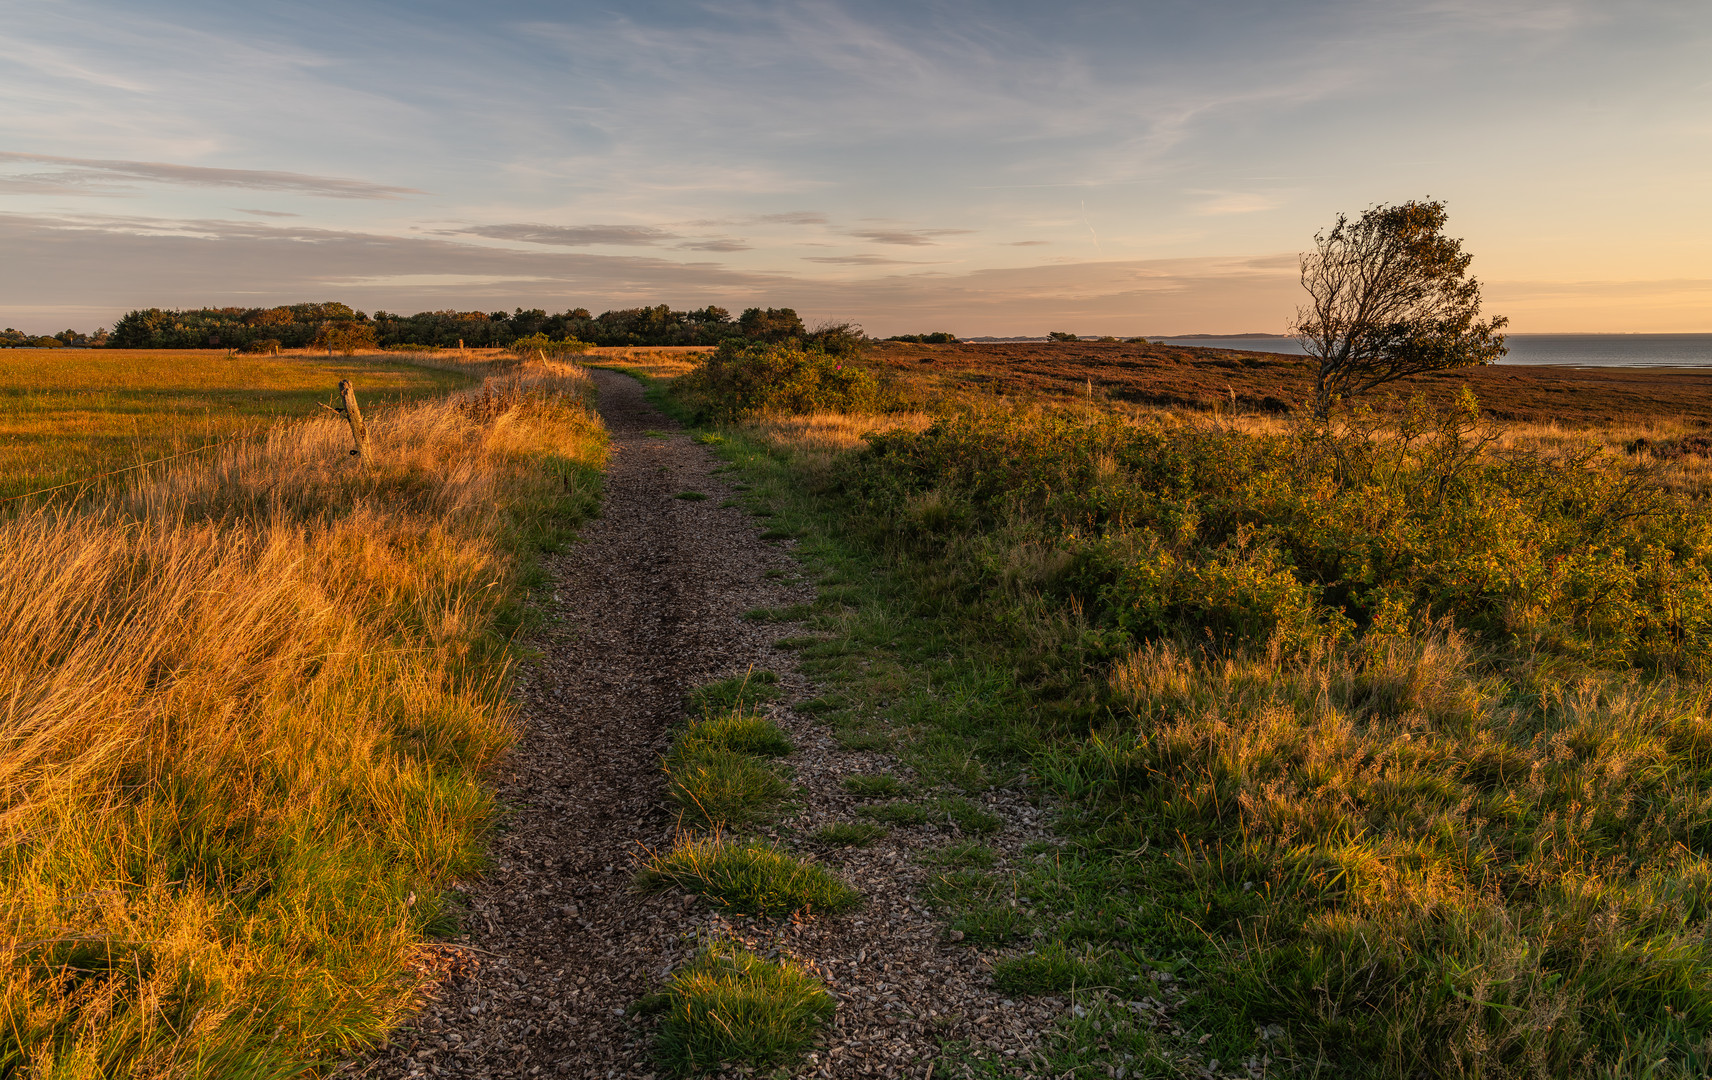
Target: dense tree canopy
303, 325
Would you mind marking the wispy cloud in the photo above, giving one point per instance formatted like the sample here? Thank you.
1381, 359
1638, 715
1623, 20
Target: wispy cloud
906, 237
267, 213
858, 260
1218, 203
570, 235
714, 244
99, 174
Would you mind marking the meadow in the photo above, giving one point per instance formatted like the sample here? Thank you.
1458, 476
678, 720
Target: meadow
1376, 748
251, 698
67, 414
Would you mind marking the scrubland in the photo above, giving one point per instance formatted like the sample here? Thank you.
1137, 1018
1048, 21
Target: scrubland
1387, 740
248, 703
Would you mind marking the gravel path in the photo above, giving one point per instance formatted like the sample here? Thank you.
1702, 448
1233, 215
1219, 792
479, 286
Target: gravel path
646, 607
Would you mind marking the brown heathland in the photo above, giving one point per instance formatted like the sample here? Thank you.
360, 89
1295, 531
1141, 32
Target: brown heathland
1204, 379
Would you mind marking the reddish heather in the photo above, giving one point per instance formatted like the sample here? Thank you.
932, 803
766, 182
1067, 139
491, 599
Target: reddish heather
1178, 377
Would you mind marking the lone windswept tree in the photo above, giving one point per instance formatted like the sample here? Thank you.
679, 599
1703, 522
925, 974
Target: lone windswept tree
1390, 297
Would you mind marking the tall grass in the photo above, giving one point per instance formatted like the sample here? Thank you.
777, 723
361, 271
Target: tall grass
245, 709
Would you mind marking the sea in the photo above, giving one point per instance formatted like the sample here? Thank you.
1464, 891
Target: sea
1573, 350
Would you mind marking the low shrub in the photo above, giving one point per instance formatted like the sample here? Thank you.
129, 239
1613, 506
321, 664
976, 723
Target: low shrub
741, 379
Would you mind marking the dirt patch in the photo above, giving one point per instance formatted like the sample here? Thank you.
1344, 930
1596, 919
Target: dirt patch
646, 607
1258, 382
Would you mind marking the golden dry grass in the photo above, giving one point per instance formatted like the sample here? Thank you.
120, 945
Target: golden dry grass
66, 414
245, 709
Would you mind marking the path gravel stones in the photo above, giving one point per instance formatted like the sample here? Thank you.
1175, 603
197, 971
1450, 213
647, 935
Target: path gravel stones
646, 607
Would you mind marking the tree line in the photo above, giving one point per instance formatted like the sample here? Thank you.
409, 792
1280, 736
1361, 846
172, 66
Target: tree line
338, 325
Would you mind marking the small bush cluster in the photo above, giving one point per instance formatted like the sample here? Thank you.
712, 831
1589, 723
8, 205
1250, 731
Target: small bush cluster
740, 380
1310, 536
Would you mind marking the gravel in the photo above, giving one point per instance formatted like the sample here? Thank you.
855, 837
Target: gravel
647, 606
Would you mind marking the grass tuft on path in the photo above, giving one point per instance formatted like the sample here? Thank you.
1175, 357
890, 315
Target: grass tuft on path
716, 774
735, 694
747, 877
728, 1007
714, 787
743, 733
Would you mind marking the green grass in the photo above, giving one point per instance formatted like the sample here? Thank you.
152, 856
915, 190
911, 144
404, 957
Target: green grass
965, 853
715, 773
690, 496
955, 811
850, 833
747, 877
1357, 734
713, 787
730, 1008
740, 732
736, 693
873, 787
1054, 969
70, 414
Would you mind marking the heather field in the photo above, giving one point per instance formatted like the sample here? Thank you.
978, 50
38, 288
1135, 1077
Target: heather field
1374, 747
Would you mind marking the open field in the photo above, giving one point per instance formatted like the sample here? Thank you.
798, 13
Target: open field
1204, 379
66, 414
1369, 753
251, 701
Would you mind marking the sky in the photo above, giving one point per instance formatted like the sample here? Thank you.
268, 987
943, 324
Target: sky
984, 168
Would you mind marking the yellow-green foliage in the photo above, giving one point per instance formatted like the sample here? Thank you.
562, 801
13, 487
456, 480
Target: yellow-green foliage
1314, 533
729, 1006
716, 772
1400, 741
715, 787
69, 414
736, 380
245, 708
748, 877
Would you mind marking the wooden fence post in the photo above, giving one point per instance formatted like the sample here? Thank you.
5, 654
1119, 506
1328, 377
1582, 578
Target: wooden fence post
353, 415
